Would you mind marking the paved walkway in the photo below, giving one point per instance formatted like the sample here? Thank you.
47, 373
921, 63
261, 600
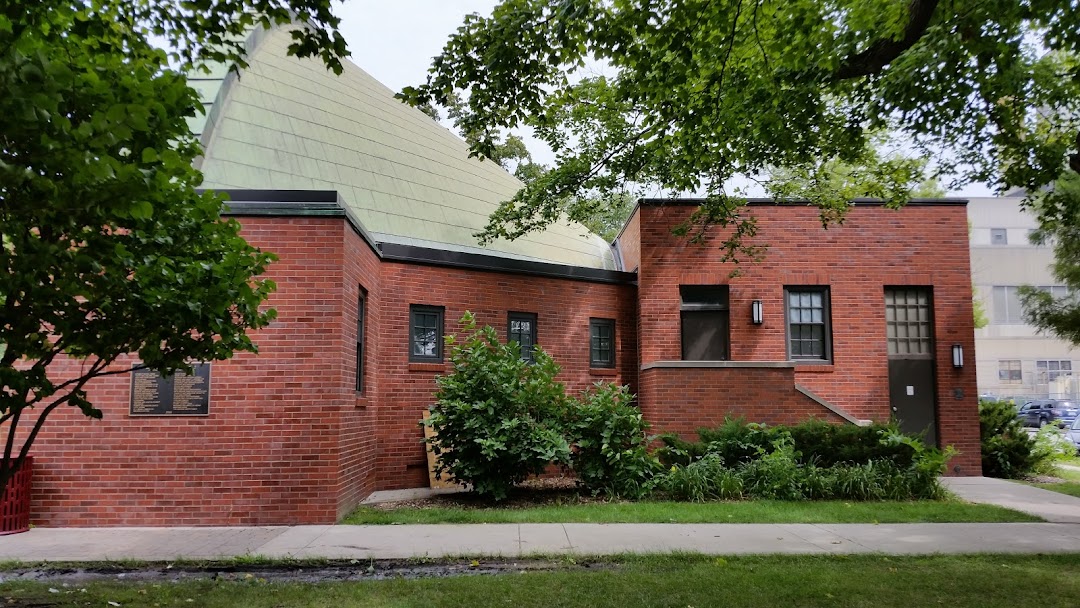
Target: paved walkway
518, 540
1051, 506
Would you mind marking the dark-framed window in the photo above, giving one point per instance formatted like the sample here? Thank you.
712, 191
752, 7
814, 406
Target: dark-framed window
425, 333
809, 333
521, 328
1009, 371
602, 342
706, 322
361, 307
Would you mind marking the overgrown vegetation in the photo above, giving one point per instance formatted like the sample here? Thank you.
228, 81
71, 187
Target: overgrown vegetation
499, 419
1007, 449
813, 460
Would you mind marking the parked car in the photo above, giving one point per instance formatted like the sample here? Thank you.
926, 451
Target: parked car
1042, 412
1073, 434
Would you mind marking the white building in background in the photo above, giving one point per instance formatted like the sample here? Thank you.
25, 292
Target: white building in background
1013, 359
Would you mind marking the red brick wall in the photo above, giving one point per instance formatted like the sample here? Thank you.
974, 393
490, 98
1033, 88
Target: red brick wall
874, 248
682, 400
357, 436
563, 309
269, 453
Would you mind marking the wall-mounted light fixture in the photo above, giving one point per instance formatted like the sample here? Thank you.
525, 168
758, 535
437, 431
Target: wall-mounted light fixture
957, 356
757, 312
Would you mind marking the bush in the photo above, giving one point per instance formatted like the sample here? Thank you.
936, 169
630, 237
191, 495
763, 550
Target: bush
610, 450
497, 418
1006, 446
701, 480
827, 444
777, 473
1050, 447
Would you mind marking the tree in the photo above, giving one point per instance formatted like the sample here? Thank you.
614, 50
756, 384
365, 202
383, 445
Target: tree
1058, 210
706, 91
106, 246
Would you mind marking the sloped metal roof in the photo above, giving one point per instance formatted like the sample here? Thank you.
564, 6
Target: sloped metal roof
289, 124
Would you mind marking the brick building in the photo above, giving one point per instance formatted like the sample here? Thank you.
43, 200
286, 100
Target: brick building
371, 208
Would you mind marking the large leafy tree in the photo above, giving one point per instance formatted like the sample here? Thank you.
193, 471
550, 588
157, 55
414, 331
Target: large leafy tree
106, 246
699, 92
1058, 210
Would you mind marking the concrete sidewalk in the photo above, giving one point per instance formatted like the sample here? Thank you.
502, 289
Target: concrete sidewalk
1060, 534
519, 540
1050, 506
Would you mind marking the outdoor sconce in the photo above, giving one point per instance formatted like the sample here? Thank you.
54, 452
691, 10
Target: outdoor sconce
957, 356
757, 312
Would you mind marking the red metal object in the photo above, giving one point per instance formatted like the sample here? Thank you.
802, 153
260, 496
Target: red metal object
15, 503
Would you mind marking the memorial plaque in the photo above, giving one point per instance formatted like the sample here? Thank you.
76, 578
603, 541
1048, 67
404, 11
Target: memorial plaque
178, 395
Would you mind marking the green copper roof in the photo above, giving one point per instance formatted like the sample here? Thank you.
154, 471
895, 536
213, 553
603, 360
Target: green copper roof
289, 124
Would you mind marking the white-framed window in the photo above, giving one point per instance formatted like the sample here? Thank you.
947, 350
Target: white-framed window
999, 236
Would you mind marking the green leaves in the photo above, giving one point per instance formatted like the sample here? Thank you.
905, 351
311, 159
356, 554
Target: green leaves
699, 93
108, 250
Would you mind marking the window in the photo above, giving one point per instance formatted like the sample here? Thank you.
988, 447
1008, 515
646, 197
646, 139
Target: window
1009, 372
1048, 371
1007, 308
808, 323
521, 328
602, 342
705, 322
361, 300
425, 333
999, 236
908, 329
1060, 292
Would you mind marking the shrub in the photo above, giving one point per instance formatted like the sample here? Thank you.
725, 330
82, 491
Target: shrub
677, 451
497, 418
775, 475
610, 450
737, 441
778, 473
1049, 448
1006, 447
701, 480
828, 444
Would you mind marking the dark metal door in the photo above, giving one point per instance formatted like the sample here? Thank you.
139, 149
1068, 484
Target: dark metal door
909, 331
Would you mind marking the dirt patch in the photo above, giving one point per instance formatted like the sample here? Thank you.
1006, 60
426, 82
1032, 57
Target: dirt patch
552, 491
350, 570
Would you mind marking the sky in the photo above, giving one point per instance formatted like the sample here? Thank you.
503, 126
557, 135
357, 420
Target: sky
395, 41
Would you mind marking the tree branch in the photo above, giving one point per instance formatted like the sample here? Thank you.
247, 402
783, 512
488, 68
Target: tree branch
883, 52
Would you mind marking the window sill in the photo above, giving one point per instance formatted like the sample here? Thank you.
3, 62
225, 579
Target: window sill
416, 366
825, 367
362, 401
603, 371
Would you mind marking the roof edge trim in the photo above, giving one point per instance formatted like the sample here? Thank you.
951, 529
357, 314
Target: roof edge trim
328, 203
441, 257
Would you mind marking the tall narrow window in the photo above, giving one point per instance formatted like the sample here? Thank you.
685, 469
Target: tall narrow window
705, 322
521, 328
808, 323
360, 309
425, 333
602, 342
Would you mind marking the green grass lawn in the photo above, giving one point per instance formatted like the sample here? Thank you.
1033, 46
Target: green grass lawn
986, 581
1070, 486
757, 511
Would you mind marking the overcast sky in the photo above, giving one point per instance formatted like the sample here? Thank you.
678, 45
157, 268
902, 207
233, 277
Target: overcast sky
395, 41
